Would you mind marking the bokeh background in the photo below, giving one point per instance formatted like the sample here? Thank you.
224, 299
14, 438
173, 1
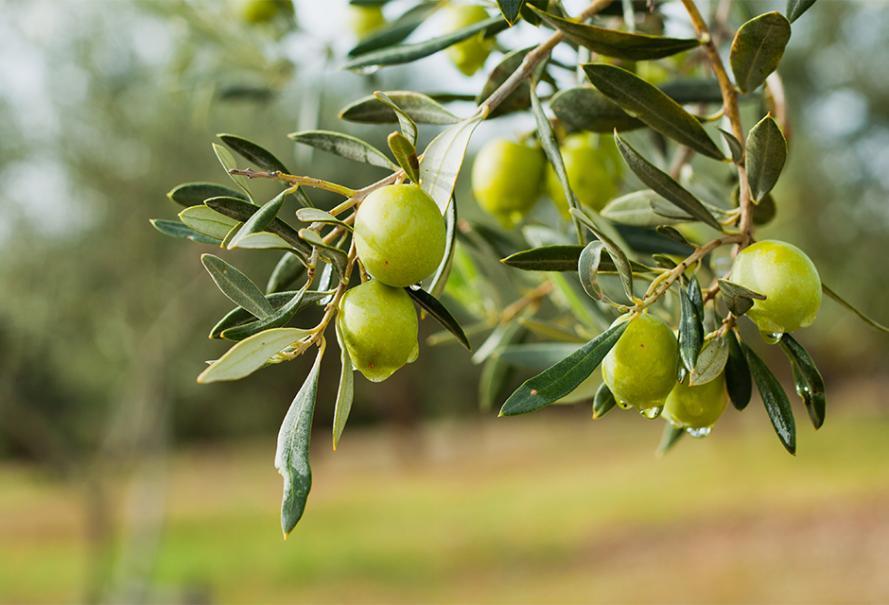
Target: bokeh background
123, 481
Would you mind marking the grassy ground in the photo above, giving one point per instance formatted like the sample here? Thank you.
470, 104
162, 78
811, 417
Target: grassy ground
548, 508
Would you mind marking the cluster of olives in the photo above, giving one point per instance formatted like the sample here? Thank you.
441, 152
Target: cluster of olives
508, 176
641, 370
399, 239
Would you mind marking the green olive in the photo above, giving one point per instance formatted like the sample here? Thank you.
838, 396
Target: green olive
470, 54
696, 407
786, 277
365, 19
594, 167
399, 234
641, 368
506, 178
378, 325
263, 11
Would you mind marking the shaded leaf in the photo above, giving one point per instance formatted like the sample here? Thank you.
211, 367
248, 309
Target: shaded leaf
871, 322
278, 318
711, 361
737, 298
733, 144
510, 9
738, 382
195, 194
766, 153
240, 316
691, 331
603, 401
439, 279
757, 49
806, 378
442, 159
421, 108
584, 108
345, 390
405, 154
795, 8
438, 311
774, 398
588, 269
242, 211
250, 354
259, 221
237, 287
395, 31
644, 208
253, 153
669, 438
181, 231
558, 258
405, 122
343, 145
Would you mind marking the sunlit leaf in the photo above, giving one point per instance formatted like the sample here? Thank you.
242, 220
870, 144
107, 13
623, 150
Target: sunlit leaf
397, 30
345, 391
421, 108
442, 159
644, 208
259, 221
343, 145
207, 222
237, 287
250, 354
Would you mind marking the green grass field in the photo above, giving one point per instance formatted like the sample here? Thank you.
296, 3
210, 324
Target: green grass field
550, 508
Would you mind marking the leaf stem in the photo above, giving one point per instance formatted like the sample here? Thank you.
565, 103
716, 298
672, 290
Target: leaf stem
294, 179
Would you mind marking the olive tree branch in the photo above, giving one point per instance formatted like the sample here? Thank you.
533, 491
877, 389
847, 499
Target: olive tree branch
293, 179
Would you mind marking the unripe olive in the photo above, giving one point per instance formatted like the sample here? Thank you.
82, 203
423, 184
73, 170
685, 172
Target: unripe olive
786, 277
469, 55
594, 167
506, 178
399, 234
263, 11
378, 325
641, 368
365, 19
696, 407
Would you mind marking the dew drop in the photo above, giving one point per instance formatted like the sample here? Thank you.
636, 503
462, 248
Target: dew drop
772, 338
652, 412
698, 433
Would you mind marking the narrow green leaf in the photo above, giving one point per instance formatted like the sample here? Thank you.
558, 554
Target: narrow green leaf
443, 158
405, 122
439, 279
520, 98
603, 401
250, 354
237, 287
775, 399
669, 438
343, 145
181, 231
711, 361
345, 391
510, 9
239, 316
734, 145
259, 221
644, 208
738, 382
691, 331
253, 153
561, 258
807, 379
618, 256
757, 49
407, 53
397, 30
228, 162
664, 185
292, 452
766, 153
239, 210
873, 323
195, 194
288, 269
651, 105
421, 108
207, 222
619, 44
663, 240
438, 311
562, 378
316, 215
588, 269
277, 319
584, 108
796, 8
696, 297
405, 154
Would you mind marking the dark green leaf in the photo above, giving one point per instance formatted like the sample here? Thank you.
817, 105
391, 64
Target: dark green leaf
558, 258
240, 210
795, 8
807, 379
261, 219
237, 287
510, 9
733, 144
737, 298
405, 122
711, 361
343, 145
253, 153
421, 109
439, 313
766, 153
649, 104
278, 318
737, 374
562, 378
518, 99
775, 399
406, 53
585, 108
757, 49
250, 354
696, 297
691, 331
240, 316
179, 230
618, 256
650, 241
194, 194
396, 31
619, 44
405, 154
292, 453
603, 401
693, 90
669, 438
345, 391
663, 184
873, 323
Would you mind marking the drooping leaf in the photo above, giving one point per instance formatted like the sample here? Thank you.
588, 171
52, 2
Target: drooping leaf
277, 319
795, 8
421, 108
652, 106
807, 379
669, 438
438, 311
691, 331
737, 298
343, 145
237, 287
562, 378
510, 9
588, 269
345, 391
405, 154
181, 231
518, 99
240, 316
195, 194
757, 49
442, 159
405, 122
711, 361
397, 30
871, 322
439, 279
250, 354
253, 153
207, 222
259, 221
407, 53
292, 452
766, 153
618, 256
619, 44
663, 184
228, 162
603, 401
738, 382
585, 108
644, 208
774, 398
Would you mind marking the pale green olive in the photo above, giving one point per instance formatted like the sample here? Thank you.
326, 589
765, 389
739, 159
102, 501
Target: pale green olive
641, 368
506, 178
378, 325
786, 277
399, 234
470, 54
594, 167
263, 11
365, 19
696, 407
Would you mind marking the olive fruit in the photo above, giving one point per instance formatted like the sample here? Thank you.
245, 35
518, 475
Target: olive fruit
594, 168
641, 368
786, 277
506, 178
399, 234
378, 326
696, 407
470, 54
365, 19
263, 11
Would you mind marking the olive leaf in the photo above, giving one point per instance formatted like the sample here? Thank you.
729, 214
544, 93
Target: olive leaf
557, 381
559, 257
734, 145
208, 222
228, 162
584, 108
518, 99
420, 108
588, 269
259, 221
618, 256
195, 194
691, 331
766, 154
250, 354
439, 279
292, 451
644, 208
345, 390
774, 398
253, 153
405, 122
510, 9
278, 318
795, 8
181, 231
442, 159
737, 298
711, 361
316, 215
405, 154
664, 185
343, 145
239, 316
439, 312
397, 30
757, 49
738, 381
652, 106
807, 379
619, 44
603, 401
237, 287
871, 322
669, 438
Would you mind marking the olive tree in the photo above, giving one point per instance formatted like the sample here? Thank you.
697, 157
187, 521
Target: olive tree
622, 232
